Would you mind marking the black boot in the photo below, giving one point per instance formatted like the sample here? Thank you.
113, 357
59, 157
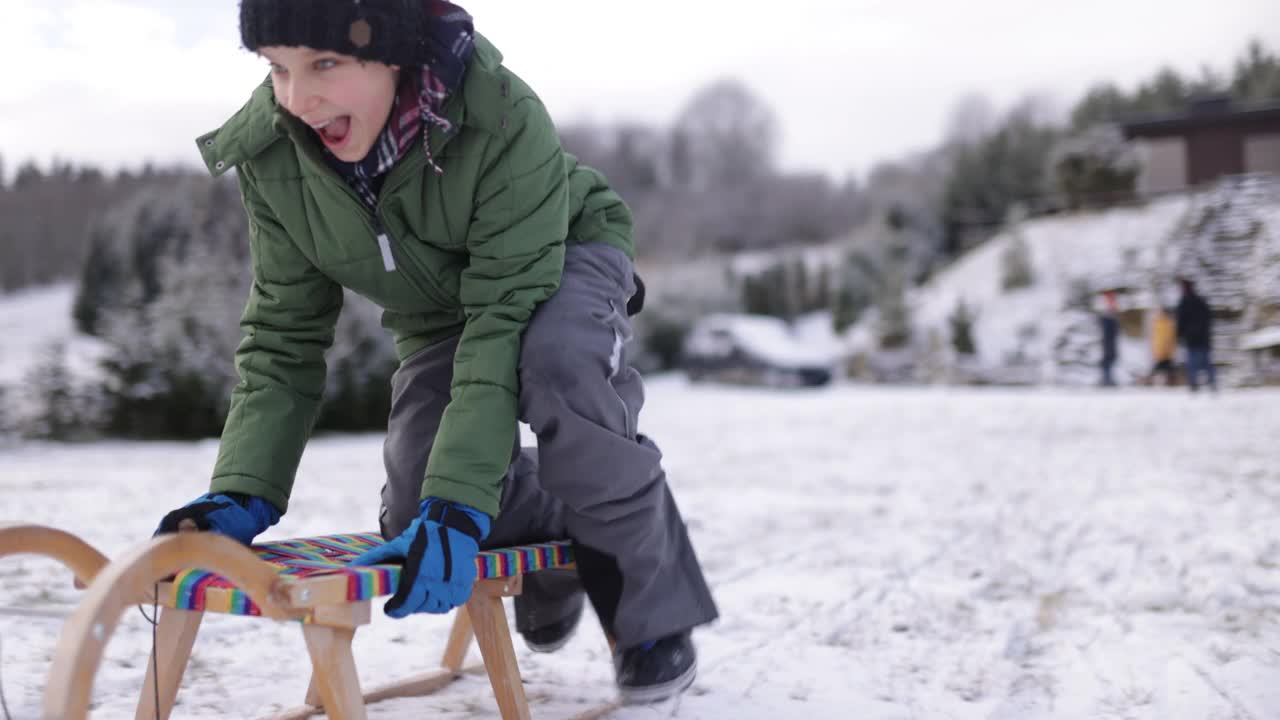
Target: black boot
656, 670
552, 637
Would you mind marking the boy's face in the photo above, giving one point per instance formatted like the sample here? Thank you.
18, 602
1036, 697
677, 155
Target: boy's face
345, 100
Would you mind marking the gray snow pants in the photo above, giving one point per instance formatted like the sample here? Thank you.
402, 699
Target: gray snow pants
593, 477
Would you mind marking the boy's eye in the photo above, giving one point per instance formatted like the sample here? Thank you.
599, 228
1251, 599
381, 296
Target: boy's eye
277, 69
325, 64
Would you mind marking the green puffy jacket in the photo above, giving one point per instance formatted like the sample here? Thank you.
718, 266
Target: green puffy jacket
473, 251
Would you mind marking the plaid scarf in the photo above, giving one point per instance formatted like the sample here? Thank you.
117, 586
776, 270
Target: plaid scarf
418, 104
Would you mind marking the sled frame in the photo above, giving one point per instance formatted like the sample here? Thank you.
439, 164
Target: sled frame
328, 623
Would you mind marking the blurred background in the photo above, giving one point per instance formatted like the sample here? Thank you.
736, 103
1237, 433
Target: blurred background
908, 192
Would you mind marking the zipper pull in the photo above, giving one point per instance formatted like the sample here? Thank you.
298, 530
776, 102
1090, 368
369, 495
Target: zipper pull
388, 260
384, 245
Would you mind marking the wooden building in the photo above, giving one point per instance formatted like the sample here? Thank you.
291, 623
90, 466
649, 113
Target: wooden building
1210, 139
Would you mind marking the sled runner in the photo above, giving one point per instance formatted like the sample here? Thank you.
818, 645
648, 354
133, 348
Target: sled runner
303, 579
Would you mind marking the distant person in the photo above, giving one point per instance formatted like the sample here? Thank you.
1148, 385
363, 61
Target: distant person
391, 152
1164, 343
1110, 338
1195, 331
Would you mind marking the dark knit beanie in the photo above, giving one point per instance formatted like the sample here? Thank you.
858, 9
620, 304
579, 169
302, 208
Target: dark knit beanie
394, 32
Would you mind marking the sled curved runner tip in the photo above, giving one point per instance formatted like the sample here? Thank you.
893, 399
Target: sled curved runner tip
78, 556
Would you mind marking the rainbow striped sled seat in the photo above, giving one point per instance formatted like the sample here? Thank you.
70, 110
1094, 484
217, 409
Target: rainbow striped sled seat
326, 558
315, 583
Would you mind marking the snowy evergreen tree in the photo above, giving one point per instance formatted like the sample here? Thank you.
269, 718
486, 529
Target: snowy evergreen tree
1256, 78
859, 278
1016, 270
893, 327
175, 269
1095, 167
129, 246
961, 321
56, 408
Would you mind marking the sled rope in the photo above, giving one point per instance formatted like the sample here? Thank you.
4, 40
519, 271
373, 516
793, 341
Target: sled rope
155, 628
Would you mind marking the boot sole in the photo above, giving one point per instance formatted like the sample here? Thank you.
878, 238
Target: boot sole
657, 693
551, 646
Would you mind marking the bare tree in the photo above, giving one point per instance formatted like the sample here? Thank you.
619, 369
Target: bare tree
972, 118
725, 136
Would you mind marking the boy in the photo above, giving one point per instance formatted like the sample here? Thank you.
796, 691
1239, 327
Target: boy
391, 152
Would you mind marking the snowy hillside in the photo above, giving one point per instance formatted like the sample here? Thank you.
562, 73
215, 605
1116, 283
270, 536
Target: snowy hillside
30, 320
1074, 256
1064, 250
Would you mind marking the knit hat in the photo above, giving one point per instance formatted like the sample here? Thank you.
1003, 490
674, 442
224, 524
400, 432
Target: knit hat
393, 32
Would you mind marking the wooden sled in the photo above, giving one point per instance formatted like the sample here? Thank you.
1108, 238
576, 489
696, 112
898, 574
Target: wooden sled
304, 579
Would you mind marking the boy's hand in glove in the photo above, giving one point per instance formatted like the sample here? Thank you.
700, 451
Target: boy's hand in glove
235, 515
439, 553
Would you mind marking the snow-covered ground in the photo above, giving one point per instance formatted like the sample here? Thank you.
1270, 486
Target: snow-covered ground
876, 553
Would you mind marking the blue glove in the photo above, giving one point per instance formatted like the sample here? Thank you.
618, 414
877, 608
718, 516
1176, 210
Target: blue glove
439, 553
235, 515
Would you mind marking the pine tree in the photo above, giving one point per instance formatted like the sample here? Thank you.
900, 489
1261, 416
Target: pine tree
961, 321
799, 291
845, 311
822, 299
1015, 262
894, 327
57, 409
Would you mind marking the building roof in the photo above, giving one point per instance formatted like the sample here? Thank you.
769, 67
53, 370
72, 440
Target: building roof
1212, 111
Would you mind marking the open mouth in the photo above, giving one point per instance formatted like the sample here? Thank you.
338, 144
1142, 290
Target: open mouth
335, 132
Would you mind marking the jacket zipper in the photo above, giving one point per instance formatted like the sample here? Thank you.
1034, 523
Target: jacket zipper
384, 239
384, 244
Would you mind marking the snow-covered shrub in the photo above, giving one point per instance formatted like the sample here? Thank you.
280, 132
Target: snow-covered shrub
170, 370
1016, 270
893, 327
54, 404
1095, 167
786, 288
661, 335
859, 276
131, 246
1079, 295
961, 321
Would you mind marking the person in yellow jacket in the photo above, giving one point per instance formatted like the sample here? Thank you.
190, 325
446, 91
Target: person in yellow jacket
1164, 342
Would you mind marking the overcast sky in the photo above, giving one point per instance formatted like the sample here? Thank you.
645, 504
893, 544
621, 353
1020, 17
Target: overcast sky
854, 82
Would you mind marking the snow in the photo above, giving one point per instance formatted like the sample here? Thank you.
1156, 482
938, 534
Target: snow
877, 553
811, 342
30, 321
1261, 339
